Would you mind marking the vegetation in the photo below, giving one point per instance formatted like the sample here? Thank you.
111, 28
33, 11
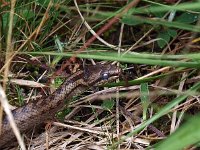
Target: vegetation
156, 43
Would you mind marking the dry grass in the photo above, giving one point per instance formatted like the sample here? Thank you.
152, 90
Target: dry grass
100, 117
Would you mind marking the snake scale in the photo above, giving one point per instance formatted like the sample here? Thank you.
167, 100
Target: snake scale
37, 112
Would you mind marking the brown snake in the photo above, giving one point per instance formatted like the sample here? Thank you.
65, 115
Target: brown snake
37, 112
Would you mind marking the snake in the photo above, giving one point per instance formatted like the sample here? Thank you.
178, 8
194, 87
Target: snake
42, 110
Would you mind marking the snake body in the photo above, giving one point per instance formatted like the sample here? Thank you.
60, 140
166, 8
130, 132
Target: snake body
37, 112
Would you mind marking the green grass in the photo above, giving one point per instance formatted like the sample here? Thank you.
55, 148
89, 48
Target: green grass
52, 39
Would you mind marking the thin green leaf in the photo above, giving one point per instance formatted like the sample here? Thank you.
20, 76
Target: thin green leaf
164, 8
163, 22
144, 95
132, 58
185, 136
131, 21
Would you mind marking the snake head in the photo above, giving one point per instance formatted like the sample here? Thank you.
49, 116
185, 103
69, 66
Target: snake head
101, 73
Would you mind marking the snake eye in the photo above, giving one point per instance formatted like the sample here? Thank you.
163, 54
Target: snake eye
105, 76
